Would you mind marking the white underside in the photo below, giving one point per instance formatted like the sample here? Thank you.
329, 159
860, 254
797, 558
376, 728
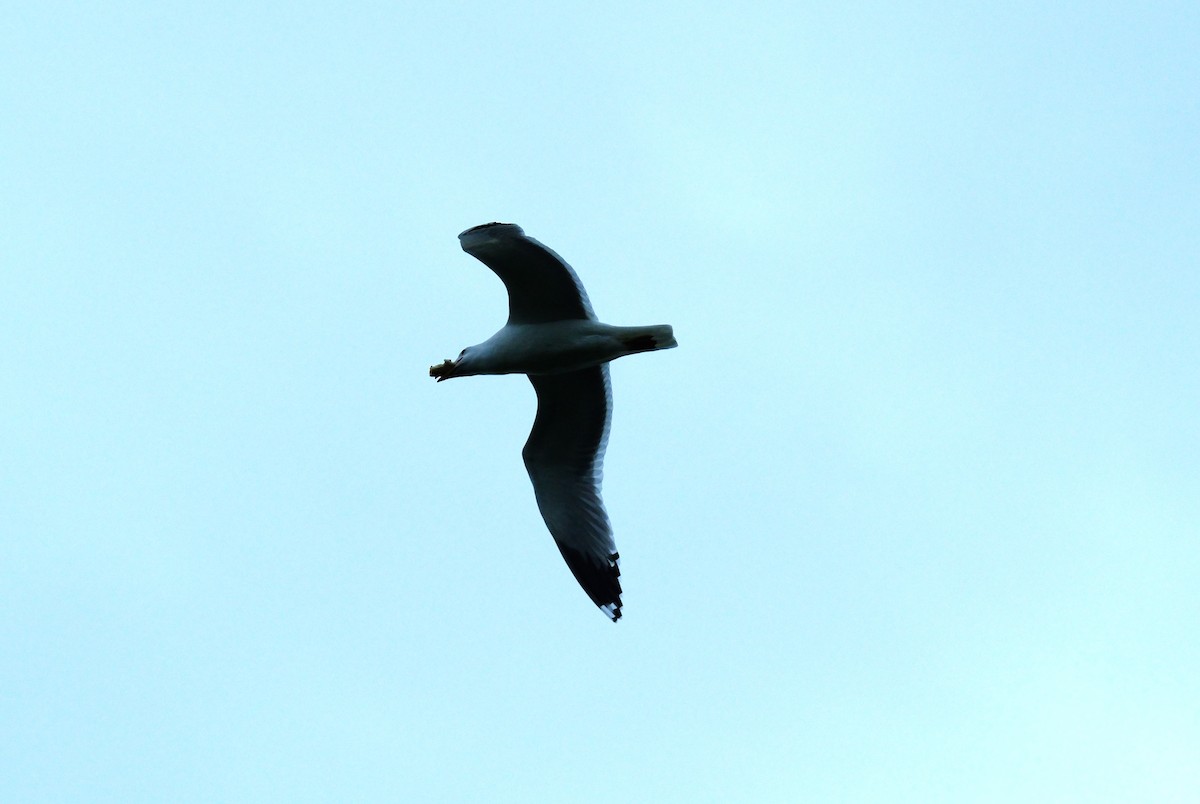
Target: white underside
557, 347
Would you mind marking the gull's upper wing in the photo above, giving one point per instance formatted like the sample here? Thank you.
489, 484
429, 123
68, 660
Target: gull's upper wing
565, 458
541, 286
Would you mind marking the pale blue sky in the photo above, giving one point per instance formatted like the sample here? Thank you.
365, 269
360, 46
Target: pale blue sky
912, 514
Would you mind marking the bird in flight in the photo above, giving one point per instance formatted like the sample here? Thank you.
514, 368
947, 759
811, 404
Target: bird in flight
553, 336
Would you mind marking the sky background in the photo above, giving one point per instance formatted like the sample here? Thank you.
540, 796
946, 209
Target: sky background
911, 514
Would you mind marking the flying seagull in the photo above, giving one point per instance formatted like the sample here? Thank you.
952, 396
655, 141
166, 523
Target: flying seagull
553, 336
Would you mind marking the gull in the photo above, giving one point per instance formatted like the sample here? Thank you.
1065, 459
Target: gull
553, 336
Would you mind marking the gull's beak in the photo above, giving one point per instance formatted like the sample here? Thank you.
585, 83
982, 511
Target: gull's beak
443, 371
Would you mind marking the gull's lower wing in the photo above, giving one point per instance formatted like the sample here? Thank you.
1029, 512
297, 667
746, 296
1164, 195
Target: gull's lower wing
565, 456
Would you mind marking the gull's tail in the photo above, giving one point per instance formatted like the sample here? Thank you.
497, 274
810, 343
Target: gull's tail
647, 339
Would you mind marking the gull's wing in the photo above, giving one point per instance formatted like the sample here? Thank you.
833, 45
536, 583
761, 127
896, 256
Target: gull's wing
565, 459
541, 286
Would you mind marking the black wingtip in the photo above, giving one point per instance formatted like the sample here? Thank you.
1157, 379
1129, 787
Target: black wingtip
499, 227
599, 579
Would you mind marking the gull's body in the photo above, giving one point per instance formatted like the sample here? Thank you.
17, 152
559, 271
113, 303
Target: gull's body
553, 336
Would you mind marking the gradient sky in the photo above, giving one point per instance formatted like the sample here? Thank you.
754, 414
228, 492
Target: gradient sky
912, 514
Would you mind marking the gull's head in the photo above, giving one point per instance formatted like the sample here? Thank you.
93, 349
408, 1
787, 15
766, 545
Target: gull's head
459, 367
